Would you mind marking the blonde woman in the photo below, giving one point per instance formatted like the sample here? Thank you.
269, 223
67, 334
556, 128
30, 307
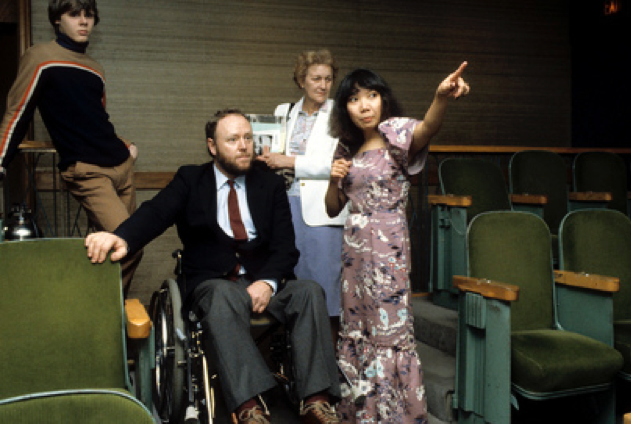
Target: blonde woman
307, 162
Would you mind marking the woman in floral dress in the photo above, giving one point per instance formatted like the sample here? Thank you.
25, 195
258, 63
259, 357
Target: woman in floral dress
376, 155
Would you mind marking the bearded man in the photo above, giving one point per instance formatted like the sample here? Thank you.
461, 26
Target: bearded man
236, 263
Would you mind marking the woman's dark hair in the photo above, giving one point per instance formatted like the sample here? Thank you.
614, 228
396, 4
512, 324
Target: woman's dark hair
342, 126
56, 8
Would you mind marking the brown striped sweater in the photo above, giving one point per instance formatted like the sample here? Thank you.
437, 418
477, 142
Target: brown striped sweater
68, 88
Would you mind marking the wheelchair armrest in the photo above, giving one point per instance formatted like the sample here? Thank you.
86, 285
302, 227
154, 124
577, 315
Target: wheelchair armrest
587, 281
590, 196
529, 199
138, 321
487, 288
449, 200
177, 255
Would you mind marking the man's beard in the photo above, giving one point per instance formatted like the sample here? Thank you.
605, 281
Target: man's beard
231, 167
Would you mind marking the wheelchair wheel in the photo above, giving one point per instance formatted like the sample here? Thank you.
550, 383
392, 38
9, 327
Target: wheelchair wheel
169, 374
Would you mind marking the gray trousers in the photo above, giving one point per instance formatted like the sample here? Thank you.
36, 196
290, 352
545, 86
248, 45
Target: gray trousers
224, 308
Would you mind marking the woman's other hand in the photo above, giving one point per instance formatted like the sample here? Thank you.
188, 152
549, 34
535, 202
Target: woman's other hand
339, 169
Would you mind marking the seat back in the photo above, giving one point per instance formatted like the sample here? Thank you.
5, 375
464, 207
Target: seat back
598, 241
514, 248
481, 179
62, 319
541, 172
602, 172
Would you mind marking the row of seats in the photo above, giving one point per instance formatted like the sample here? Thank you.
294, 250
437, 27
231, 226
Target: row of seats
63, 356
538, 183
528, 333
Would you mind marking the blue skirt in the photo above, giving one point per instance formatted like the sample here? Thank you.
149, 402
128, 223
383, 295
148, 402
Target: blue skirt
320, 256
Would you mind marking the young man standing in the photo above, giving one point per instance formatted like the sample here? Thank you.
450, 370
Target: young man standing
68, 88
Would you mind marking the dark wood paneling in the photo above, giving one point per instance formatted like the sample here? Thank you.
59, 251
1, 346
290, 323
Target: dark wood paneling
8, 11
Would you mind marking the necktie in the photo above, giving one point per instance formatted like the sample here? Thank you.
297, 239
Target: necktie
238, 229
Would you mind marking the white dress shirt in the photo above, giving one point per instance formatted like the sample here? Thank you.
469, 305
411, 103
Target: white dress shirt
223, 217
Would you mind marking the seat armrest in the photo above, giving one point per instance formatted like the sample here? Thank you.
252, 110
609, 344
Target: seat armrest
590, 196
587, 281
138, 321
529, 199
487, 288
449, 200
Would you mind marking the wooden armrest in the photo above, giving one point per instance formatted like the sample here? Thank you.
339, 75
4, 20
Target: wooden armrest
138, 321
487, 288
587, 281
590, 196
627, 418
529, 199
449, 200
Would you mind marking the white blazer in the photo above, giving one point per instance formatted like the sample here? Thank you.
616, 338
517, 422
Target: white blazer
314, 167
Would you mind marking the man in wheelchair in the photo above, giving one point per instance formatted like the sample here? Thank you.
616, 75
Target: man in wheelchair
239, 254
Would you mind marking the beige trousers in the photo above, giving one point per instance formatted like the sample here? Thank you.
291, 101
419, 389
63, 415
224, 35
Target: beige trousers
108, 195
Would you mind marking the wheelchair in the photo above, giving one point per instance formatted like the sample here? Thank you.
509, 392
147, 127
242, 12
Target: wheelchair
185, 385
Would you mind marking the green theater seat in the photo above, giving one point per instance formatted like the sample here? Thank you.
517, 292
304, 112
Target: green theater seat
545, 173
468, 187
63, 354
514, 347
599, 242
602, 172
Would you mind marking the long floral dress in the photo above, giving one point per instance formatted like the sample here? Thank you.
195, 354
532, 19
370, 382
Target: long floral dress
376, 349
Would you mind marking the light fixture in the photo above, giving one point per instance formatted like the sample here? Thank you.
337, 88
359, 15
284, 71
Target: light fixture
612, 7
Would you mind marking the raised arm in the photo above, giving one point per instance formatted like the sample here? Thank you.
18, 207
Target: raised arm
454, 86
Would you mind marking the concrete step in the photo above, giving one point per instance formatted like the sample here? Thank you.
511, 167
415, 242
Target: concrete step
434, 325
435, 329
439, 370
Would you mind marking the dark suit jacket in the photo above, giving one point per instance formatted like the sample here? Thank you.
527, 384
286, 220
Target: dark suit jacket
190, 202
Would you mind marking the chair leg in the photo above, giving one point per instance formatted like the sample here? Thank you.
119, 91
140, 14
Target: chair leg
606, 403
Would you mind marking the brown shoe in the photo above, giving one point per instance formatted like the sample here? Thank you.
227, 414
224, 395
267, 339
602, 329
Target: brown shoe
318, 412
254, 415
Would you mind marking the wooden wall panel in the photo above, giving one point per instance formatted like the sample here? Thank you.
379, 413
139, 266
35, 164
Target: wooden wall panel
8, 11
171, 64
